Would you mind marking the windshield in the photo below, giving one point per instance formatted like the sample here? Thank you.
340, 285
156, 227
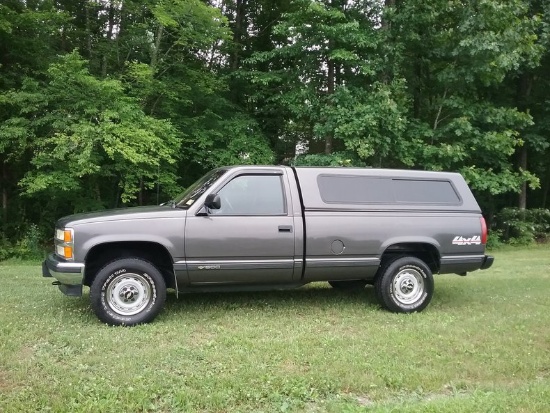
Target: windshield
191, 194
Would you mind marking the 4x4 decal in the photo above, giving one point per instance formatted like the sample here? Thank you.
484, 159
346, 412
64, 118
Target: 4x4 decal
459, 240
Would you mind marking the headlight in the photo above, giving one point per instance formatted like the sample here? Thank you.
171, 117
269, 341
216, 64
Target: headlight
64, 243
64, 235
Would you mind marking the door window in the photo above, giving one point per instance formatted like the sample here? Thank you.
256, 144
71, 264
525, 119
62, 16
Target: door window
252, 195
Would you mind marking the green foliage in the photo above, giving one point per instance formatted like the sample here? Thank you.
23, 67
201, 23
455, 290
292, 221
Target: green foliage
494, 239
85, 129
27, 247
334, 159
371, 122
523, 227
6, 250
30, 245
196, 25
432, 100
314, 42
497, 181
221, 140
460, 54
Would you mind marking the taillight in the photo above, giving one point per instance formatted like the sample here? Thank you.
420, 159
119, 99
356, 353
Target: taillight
483, 231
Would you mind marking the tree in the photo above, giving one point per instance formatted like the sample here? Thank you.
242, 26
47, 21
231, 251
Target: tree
324, 73
455, 56
27, 45
87, 135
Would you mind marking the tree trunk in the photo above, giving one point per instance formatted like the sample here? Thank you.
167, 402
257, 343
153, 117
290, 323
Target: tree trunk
156, 47
238, 34
438, 115
525, 83
387, 3
386, 74
110, 28
4, 195
330, 92
416, 88
522, 200
88, 30
545, 189
140, 195
97, 190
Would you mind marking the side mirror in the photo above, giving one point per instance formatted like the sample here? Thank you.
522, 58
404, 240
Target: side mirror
213, 201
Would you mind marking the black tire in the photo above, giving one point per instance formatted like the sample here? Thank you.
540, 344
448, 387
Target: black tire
404, 285
348, 285
127, 292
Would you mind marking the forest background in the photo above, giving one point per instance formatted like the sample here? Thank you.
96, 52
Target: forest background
112, 103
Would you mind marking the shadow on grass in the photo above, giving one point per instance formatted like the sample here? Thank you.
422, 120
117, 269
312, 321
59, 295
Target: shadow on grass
446, 297
304, 297
309, 299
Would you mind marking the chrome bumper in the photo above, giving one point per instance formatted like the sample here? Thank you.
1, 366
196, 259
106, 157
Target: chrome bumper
69, 275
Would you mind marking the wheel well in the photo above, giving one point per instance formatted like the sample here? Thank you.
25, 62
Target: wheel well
423, 251
156, 254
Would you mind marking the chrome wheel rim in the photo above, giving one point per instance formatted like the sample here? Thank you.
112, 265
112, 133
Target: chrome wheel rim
408, 286
128, 294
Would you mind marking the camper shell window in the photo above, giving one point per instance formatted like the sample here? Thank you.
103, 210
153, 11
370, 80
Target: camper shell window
354, 189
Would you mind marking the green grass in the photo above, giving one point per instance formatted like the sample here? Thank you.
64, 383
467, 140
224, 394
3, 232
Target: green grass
483, 345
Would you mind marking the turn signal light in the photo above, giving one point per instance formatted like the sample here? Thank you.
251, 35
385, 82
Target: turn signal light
68, 252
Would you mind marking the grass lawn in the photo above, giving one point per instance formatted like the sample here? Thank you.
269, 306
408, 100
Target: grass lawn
483, 345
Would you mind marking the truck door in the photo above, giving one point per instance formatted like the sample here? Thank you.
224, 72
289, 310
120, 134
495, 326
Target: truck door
249, 239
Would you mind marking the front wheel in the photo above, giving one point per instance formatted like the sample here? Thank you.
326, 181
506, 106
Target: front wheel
404, 285
128, 291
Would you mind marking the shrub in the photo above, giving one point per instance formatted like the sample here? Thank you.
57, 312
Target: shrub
29, 246
523, 227
494, 239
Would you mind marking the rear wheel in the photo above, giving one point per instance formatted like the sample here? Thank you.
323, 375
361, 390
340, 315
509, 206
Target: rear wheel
128, 291
404, 285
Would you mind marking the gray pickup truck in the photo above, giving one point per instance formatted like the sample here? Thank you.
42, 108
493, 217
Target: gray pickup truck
275, 227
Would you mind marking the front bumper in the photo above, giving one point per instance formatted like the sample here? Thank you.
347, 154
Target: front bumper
487, 262
69, 275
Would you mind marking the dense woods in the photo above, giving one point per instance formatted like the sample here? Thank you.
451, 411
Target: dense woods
110, 103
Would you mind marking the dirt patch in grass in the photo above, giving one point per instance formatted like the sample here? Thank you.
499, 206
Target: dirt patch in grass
26, 353
5, 383
291, 367
364, 400
201, 337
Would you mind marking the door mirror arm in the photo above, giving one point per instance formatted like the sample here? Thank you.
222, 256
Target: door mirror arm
203, 212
